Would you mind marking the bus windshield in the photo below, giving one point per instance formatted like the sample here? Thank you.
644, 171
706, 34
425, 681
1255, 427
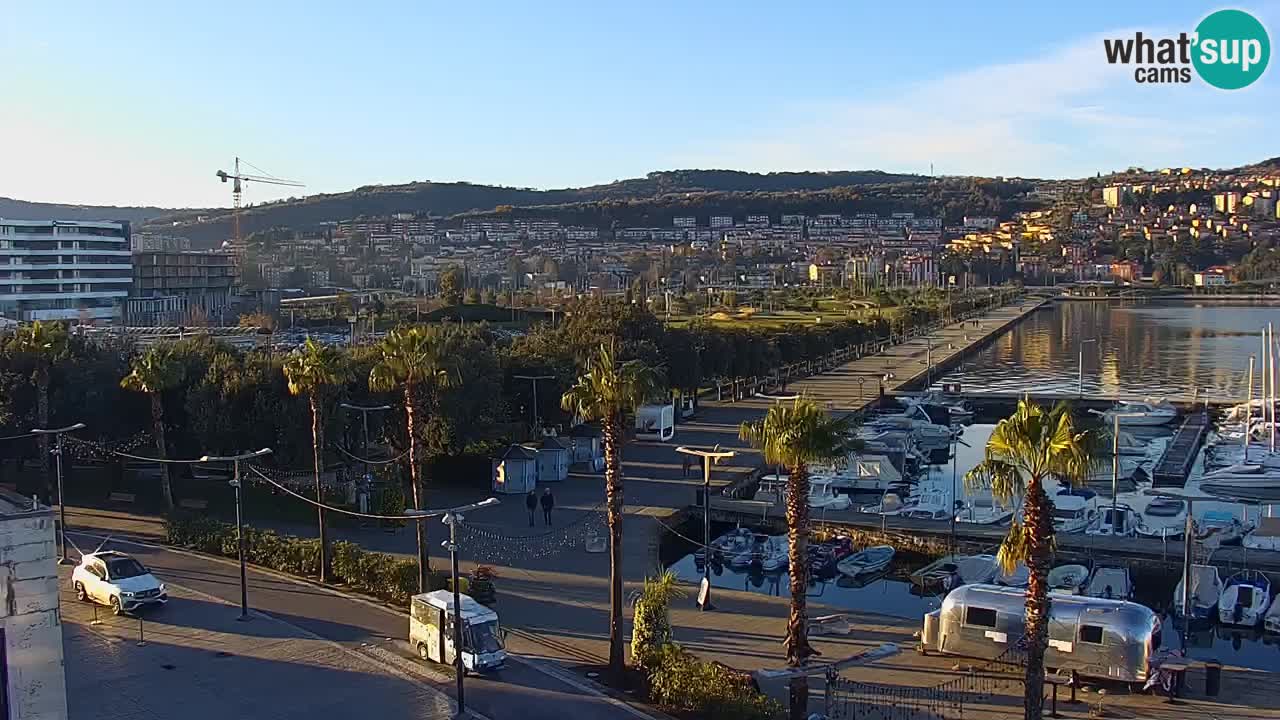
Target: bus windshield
483, 637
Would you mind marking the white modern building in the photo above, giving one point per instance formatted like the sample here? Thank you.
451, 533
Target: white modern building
35, 684
64, 270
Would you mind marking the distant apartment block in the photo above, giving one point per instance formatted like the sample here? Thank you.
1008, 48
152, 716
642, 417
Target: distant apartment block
793, 220
154, 241
1113, 195
721, 221
169, 286
64, 270
757, 221
685, 221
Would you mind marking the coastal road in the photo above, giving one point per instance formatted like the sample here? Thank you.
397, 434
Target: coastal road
527, 689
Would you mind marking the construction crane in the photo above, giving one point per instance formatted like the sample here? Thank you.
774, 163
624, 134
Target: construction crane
236, 190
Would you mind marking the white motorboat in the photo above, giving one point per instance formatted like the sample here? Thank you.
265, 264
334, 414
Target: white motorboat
775, 556
1245, 599
931, 506
1264, 537
955, 570
1068, 578
1115, 521
891, 503
1149, 412
1133, 446
1109, 582
1206, 588
734, 542
1073, 513
1163, 518
763, 552
864, 473
822, 495
957, 410
866, 562
983, 510
1218, 527
1271, 623
1019, 578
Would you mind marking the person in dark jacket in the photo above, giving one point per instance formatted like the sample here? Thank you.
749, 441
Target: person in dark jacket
531, 502
548, 502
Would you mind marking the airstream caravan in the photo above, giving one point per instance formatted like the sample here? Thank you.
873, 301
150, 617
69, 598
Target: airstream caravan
1095, 637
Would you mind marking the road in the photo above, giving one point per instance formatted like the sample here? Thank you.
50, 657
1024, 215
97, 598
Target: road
527, 689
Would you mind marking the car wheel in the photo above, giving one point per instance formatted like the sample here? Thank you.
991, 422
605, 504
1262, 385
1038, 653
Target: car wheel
116, 609
81, 595
422, 651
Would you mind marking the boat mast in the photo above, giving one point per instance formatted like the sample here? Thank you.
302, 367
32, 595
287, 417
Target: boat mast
1248, 412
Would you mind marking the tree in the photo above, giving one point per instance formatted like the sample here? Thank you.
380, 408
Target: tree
154, 372
310, 370
607, 392
411, 357
451, 285
472, 296
1025, 449
45, 344
796, 436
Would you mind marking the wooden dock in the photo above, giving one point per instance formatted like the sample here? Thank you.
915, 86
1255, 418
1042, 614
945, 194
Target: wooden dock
1180, 455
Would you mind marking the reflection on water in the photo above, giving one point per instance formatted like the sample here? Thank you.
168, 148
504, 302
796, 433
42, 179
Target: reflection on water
1165, 348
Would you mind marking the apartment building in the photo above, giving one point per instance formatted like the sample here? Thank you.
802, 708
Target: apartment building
169, 286
64, 270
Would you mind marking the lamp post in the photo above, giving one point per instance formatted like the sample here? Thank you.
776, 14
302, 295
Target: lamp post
452, 517
1080, 368
364, 421
1188, 538
534, 379
708, 457
236, 483
62, 499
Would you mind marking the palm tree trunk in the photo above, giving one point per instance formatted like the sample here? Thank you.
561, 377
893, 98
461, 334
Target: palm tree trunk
42, 417
612, 428
415, 477
1039, 527
157, 424
315, 458
797, 642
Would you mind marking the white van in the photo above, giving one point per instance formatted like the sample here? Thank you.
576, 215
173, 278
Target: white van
431, 631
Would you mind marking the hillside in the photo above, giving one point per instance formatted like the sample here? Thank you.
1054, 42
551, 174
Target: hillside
23, 210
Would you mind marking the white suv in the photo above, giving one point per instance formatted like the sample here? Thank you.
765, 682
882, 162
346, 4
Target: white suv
115, 579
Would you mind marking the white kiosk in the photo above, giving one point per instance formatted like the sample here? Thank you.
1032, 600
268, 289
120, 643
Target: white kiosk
657, 420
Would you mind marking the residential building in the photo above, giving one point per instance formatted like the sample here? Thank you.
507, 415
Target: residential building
64, 270
1113, 195
825, 275
155, 241
31, 662
1227, 202
1126, 270
1215, 276
687, 221
169, 286
721, 221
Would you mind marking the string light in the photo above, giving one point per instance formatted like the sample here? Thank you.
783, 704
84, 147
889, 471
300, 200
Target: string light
371, 462
488, 545
106, 451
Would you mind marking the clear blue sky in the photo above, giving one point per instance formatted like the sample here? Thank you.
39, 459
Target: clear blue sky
140, 102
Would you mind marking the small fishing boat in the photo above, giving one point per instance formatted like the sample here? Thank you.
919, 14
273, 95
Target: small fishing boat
866, 562
1019, 578
731, 544
1163, 518
1115, 521
1264, 537
1108, 582
954, 571
891, 503
932, 506
1068, 578
1149, 412
984, 510
1245, 599
1073, 513
1221, 527
822, 496
1271, 623
1206, 589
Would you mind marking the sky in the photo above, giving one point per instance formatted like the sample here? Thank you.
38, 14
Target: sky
139, 103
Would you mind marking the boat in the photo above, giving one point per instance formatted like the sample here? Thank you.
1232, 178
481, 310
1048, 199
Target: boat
1206, 588
776, 553
764, 552
865, 473
866, 562
956, 410
1019, 578
1271, 623
1264, 537
954, 571
1068, 578
822, 496
1245, 598
1073, 513
1163, 518
1148, 412
983, 510
1221, 527
1133, 446
891, 503
1109, 582
734, 542
1115, 521
931, 506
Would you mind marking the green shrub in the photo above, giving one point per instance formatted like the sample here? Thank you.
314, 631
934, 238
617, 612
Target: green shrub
651, 628
678, 679
384, 576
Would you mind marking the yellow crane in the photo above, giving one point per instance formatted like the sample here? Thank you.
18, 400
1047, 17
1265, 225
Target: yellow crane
236, 190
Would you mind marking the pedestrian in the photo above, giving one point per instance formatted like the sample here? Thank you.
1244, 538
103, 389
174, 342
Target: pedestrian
548, 502
531, 502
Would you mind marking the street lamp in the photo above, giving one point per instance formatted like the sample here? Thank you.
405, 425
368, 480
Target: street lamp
62, 499
1080, 368
364, 419
535, 379
236, 483
1115, 463
451, 517
1188, 538
708, 457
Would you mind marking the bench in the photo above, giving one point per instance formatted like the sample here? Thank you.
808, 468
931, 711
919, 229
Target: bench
122, 497
193, 504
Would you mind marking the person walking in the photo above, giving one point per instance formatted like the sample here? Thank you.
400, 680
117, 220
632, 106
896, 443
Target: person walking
548, 502
531, 502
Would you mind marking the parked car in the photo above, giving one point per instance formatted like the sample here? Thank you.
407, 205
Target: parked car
117, 580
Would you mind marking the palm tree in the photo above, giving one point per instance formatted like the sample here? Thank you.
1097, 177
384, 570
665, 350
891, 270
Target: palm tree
410, 358
795, 436
310, 370
1025, 449
45, 344
607, 392
154, 372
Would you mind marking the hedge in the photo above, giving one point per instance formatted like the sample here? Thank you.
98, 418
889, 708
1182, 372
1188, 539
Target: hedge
679, 680
381, 575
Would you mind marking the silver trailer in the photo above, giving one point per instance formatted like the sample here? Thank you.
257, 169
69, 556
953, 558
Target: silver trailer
1095, 637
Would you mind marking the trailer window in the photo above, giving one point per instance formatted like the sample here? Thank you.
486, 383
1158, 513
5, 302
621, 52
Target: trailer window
1091, 634
980, 616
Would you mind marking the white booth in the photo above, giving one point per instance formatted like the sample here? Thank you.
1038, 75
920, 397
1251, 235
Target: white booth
553, 460
516, 472
585, 444
656, 420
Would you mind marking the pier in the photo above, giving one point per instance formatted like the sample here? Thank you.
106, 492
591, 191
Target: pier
1180, 455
